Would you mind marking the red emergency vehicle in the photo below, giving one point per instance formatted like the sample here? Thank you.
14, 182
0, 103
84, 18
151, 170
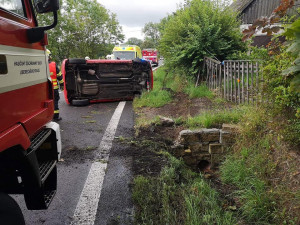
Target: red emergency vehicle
29, 142
151, 55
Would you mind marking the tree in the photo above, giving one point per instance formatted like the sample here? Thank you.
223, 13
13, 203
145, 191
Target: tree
200, 28
134, 41
85, 28
152, 34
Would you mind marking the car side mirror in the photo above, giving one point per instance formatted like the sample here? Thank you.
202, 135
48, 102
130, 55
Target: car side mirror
45, 6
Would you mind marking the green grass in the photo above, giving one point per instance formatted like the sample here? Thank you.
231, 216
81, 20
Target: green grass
144, 122
212, 118
156, 97
178, 196
159, 97
252, 169
247, 171
203, 206
198, 92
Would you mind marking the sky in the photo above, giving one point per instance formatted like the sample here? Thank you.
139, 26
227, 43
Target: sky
134, 14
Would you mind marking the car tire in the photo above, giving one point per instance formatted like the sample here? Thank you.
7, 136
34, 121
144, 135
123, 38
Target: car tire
10, 212
77, 61
80, 102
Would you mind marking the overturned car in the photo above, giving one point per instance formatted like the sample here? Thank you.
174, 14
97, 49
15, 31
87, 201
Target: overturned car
88, 81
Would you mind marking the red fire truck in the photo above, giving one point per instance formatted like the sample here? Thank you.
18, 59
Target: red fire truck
151, 55
29, 142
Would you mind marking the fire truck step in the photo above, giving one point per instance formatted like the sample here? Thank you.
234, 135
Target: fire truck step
49, 195
39, 139
46, 168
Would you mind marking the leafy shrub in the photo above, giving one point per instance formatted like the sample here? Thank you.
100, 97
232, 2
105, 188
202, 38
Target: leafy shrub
199, 28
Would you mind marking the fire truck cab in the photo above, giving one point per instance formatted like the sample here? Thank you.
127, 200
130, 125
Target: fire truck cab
30, 144
151, 55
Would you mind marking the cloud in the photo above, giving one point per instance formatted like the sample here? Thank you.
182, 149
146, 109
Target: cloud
138, 12
134, 14
130, 31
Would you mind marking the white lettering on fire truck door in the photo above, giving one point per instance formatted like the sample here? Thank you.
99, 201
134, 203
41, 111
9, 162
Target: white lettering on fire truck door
25, 67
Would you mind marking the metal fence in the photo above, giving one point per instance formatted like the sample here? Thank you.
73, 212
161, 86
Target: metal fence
238, 81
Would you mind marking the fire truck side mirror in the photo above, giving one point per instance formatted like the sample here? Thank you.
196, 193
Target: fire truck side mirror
36, 34
44, 6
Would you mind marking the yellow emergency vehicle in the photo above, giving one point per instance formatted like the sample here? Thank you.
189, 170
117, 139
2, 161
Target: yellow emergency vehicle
127, 52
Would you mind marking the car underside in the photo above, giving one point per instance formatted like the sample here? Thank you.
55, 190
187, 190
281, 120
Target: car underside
105, 80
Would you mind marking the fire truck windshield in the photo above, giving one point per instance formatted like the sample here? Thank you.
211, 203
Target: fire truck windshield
14, 6
124, 55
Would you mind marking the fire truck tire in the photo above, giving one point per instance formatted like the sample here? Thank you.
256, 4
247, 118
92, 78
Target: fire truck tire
80, 102
10, 212
77, 61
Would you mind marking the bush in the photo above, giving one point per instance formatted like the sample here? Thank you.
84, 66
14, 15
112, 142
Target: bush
199, 28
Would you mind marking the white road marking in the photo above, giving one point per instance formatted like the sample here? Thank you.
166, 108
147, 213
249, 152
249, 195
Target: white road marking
86, 209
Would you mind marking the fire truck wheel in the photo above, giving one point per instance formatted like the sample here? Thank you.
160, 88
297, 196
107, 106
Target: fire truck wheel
80, 102
77, 61
10, 212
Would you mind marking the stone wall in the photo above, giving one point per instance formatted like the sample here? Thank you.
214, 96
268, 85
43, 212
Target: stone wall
205, 146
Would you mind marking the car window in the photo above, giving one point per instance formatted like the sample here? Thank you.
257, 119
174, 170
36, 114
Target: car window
15, 6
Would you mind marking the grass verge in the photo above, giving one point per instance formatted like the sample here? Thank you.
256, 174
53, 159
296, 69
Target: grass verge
157, 97
198, 92
178, 196
264, 171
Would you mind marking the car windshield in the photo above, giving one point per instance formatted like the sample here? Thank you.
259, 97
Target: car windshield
123, 55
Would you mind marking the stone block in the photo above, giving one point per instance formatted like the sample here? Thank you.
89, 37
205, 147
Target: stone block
227, 139
177, 150
216, 159
200, 157
195, 146
216, 149
231, 128
190, 160
166, 122
188, 136
210, 135
205, 148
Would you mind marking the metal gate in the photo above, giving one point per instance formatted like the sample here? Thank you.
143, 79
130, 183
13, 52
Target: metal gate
238, 81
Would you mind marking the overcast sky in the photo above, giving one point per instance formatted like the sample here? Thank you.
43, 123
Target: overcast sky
133, 14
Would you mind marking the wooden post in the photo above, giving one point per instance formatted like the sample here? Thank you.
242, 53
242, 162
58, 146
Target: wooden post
247, 82
243, 84
224, 80
257, 84
234, 82
252, 92
220, 79
228, 71
238, 83
231, 83
214, 76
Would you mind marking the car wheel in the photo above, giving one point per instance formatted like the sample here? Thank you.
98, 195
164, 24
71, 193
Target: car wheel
80, 102
10, 212
77, 61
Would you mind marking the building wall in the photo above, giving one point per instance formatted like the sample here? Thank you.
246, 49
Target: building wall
262, 8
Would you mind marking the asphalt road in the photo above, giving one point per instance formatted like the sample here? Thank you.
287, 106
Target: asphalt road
83, 131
